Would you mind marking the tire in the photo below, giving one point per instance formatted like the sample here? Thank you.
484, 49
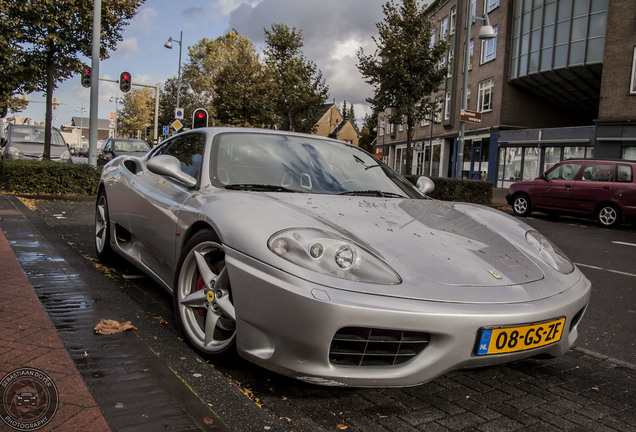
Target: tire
521, 205
608, 215
202, 297
102, 228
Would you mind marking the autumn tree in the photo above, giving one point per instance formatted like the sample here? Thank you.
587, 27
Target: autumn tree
299, 90
404, 70
137, 112
51, 35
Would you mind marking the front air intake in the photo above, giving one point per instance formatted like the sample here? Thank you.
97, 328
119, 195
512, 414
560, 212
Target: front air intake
360, 346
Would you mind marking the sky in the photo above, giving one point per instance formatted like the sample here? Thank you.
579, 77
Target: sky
333, 31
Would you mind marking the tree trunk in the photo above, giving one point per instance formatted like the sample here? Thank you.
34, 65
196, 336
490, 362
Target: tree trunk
48, 116
410, 129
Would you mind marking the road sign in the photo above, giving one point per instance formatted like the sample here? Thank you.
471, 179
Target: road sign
178, 113
166, 130
470, 116
176, 125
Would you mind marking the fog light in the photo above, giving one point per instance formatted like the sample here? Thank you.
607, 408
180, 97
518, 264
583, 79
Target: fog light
279, 246
316, 250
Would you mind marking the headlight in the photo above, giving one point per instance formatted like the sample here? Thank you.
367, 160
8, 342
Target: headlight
331, 254
13, 152
550, 253
65, 156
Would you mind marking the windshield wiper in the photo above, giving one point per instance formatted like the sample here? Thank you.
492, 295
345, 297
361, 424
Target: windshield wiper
258, 187
377, 193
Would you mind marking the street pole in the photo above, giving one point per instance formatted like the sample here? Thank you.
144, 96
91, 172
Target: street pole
459, 154
93, 124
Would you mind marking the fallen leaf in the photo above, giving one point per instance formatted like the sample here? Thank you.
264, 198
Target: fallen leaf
106, 327
342, 427
208, 421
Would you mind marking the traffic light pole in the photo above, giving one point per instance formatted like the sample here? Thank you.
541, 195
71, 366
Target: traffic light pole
94, 102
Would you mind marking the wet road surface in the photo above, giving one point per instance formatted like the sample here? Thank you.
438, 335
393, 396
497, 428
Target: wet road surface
150, 379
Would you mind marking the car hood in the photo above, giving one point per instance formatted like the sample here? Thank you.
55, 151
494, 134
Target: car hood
36, 150
433, 239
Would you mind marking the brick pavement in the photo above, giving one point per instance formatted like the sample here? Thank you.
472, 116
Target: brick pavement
28, 339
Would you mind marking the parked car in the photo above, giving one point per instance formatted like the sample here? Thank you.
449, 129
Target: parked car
23, 141
113, 147
311, 258
601, 189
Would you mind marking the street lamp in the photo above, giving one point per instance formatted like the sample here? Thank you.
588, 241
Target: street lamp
81, 110
116, 100
485, 32
169, 46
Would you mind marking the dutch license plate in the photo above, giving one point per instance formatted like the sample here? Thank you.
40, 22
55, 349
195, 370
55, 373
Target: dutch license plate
499, 340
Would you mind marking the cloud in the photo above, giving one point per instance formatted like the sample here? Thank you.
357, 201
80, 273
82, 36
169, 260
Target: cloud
128, 48
145, 20
333, 31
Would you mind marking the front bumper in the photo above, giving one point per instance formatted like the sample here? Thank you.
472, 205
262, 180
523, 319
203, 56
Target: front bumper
287, 324
509, 199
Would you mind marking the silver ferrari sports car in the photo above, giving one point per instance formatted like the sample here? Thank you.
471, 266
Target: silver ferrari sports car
311, 258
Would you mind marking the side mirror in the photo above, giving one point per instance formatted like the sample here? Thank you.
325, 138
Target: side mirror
169, 166
425, 185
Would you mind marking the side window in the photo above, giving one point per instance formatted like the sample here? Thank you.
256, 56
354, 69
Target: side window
624, 173
597, 172
189, 150
566, 171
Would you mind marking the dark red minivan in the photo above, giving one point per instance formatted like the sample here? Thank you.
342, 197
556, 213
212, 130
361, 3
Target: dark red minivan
601, 189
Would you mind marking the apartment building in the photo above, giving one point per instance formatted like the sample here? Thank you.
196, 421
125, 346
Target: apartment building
558, 81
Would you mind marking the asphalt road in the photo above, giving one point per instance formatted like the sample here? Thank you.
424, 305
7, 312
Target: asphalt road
591, 388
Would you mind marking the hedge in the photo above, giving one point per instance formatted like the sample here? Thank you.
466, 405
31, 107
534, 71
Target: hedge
59, 178
48, 178
449, 189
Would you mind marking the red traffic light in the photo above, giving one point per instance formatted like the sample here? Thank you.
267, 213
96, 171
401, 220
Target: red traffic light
86, 77
199, 118
125, 82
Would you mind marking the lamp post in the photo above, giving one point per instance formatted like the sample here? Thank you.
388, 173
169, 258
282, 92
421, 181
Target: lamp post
485, 32
116, 100
169, 46
81, 110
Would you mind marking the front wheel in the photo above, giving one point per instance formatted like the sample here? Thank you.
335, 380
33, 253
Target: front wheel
102, 228
521, 205
202, 296
608, 215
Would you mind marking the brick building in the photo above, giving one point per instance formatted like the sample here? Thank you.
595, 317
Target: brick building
557, 82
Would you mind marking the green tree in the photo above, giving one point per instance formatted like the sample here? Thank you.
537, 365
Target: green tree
405, 70
53, 34
299, 90
137, 112
241, 96
368, 132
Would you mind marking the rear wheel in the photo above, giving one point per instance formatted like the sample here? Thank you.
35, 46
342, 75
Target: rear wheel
202, 298
521, 205
102, 228
608, 215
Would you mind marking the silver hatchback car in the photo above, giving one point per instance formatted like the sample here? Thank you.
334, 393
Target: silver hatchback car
27, 142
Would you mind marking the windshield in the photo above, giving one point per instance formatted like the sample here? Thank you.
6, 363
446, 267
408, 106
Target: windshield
131, 146
282, 163
33, 134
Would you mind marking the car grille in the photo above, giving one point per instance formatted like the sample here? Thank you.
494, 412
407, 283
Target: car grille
359, 346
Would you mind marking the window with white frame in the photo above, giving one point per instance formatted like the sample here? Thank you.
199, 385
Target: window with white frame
632, 88
489, 5
453, 19
432, 43
442, 62
447, 106
489, 48
468, 97
438, 109
484, 97
471, 54
473, 6
451, 57
401, 127
443, 28
424, 122
381, 127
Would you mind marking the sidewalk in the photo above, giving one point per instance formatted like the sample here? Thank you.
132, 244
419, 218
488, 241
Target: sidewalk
29, 340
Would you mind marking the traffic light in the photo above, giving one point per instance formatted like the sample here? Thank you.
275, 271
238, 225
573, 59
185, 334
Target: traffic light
199, 118
86, 77
125, 82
